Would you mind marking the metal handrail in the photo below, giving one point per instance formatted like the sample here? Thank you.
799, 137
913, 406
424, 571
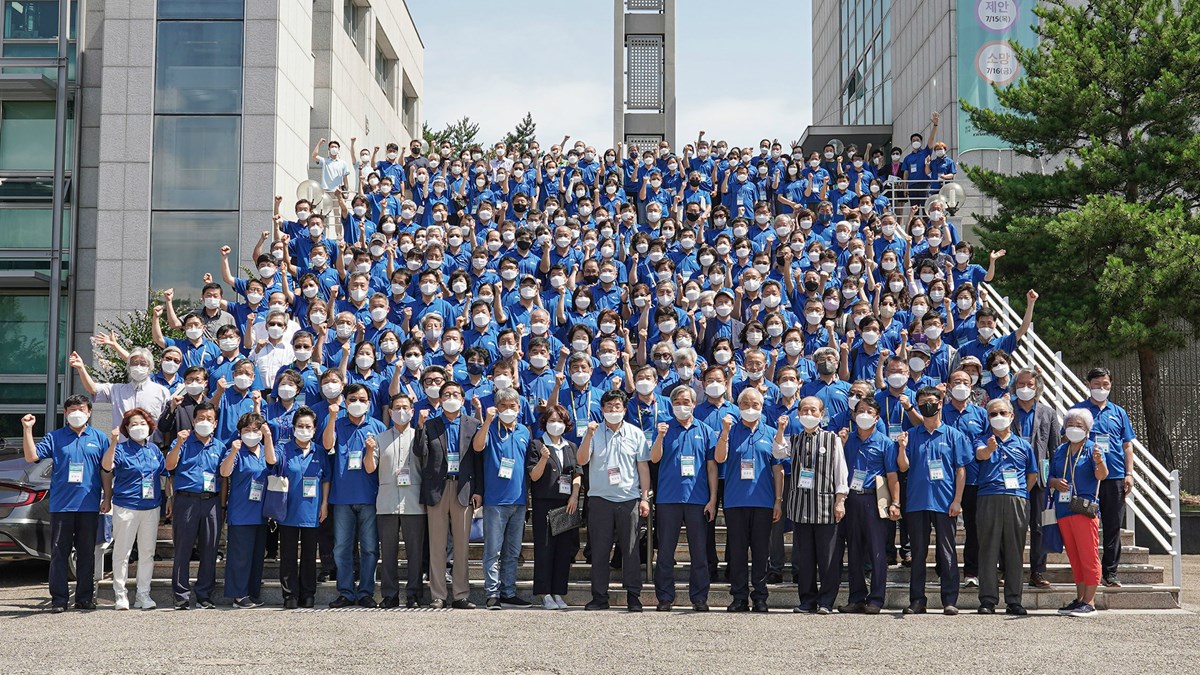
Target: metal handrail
1154, 500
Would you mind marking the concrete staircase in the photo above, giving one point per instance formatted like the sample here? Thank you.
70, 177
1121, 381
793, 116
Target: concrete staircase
1143, 583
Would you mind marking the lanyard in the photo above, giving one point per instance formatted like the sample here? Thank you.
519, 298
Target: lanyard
642, 411
575, 404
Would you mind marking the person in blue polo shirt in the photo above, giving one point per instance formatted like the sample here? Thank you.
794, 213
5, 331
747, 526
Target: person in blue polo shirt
985, 326
304, 463
938, 455
753, 498
1007, 471
684, 449
870, 455
75, 451
503, 447
136, 495
245, 467
353, 489
1113, 434
195, 515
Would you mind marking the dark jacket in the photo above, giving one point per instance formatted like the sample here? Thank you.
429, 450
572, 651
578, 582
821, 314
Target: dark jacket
546, 487
1045, 437
430, 446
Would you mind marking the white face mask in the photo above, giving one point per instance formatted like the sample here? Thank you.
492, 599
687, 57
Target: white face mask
864, 421
1000, 422
960, 392
357, 408
303, 435
204, 428
556, 429
613, 417
140, 432
452, 405
1075, 434
1026, 393
251, 439
897, 380
750, 414
1099, 394
138, 373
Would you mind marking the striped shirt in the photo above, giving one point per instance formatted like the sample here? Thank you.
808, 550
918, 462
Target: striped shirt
821, 453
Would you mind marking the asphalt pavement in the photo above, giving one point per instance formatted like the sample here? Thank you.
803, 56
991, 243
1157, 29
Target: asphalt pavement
575, 641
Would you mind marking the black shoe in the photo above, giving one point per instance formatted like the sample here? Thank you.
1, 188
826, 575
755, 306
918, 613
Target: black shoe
181, 605
308, 603
58, 609
290, 603
699, 606
89, 605
1110, 580
633, 604
906, 561
738, 606
1038, 581
462, 604
853, 608
871, 609
774, 578
369, 603
340, 602
205, 603
760, 607
596, 604
1016, 610
801, 609
664, 606
915, 608
492, 603
327, 575
515, 602
390, 603
410, 603
986, 609
950, 610
243, 603
892, 562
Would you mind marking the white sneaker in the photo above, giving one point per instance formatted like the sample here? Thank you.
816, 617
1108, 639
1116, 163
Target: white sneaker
144, 602
548, 602
562, 604
971, 582
121, 603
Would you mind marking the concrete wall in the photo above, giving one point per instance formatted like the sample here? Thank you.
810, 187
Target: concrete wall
347, 101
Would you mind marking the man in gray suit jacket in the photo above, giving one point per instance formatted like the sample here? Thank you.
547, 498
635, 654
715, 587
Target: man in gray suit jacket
1038, 424
451, 489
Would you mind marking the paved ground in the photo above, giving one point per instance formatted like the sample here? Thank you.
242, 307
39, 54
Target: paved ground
272, 640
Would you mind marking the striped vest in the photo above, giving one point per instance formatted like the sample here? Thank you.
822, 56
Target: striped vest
816, 452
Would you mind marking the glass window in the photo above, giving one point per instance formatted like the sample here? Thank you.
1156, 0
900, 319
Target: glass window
24, 325
183, 246
196, 163
200, 9
34, 19
27, 135
199, 67
30, 228
38, 50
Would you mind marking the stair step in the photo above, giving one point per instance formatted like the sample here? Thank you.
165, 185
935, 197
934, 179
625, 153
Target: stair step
581, 571
782, 596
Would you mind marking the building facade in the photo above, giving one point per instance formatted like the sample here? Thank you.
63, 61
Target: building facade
185, 119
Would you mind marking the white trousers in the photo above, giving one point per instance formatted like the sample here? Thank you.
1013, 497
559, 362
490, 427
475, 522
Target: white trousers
128, 525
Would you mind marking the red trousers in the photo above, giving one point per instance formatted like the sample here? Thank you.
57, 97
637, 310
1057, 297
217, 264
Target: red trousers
1081, 541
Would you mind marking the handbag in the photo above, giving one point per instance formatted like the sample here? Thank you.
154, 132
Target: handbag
275, 501
1079, 505
882, 497
560, 521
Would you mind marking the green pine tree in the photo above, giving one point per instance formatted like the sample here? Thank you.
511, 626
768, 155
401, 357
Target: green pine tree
525, 133
462, 134
1111, 239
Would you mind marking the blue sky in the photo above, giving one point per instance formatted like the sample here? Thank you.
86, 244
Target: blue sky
554, 59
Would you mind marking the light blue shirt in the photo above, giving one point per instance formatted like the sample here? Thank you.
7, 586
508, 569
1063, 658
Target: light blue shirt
619, 451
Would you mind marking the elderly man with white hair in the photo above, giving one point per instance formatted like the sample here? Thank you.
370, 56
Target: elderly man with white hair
1007, 471
139, 392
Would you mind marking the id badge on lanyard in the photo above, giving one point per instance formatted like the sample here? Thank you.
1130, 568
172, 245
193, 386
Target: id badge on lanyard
687, 465
452, 459
354, 460
860, 477
210, 481
807, 479
1011, 480
936, 470
147, 487
75, 473
748, 469
256, 490
310, 488
506, 467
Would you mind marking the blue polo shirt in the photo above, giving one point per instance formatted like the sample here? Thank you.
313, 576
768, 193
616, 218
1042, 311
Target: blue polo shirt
1111, 421
711, 415
981, 350
972, 421
1082, 476
204, 354
133, 462
583, 406
930, 454
873, 457
353, 485
303, 511
1013, 457
505, 454
80, 451
199, 460
683, 469
891, 411
646, 416
834, 395
753, 446
247, 486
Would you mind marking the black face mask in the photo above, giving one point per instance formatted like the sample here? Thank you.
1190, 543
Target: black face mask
693, 216
928, 408
810, 286
695, 182
591, 278
520, 208
524, 245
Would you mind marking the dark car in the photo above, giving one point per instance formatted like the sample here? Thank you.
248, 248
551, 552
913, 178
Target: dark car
25, 509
